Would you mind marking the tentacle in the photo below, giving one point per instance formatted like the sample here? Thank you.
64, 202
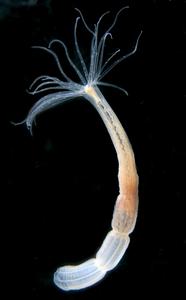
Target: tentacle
113, 86
107, 61
121, 59
95, 51
56, 59
42, 78
116, 17
69, 59
44, 84
85, 24
79, 52
48, 102
101, 48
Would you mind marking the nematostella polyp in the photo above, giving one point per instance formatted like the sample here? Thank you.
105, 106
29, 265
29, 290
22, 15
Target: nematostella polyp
60, 90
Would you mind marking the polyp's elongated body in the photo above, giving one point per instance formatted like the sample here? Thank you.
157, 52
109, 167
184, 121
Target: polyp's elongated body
127, 202
125, 211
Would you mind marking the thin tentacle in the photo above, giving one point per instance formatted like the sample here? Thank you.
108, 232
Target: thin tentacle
121, 59
45, 85
42, 78
56, 59
102, 41
93, 55
86, 26
69, 59
61, 86
101, 49
113, 86
95, 50
107, 61
47, 102
45, 89
79, 52
116, 17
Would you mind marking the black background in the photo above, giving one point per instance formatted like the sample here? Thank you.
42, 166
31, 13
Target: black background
61, 183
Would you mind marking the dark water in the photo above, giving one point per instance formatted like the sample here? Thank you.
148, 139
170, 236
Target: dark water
61, 183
